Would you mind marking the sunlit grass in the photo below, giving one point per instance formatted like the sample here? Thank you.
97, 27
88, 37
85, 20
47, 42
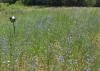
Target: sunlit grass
50, 39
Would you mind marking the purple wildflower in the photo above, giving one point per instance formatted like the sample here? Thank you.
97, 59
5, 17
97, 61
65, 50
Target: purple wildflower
61, 58
69, 50
86, 69
33, 66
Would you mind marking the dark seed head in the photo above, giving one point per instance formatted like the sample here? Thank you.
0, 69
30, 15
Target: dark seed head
12, 19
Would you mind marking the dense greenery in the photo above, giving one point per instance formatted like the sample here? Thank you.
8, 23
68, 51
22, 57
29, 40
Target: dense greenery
57, 2
62, 2
8, 1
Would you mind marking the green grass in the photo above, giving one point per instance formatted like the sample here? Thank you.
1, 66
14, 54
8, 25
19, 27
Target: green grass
51, 39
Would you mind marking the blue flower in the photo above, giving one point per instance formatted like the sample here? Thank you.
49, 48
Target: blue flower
61, 58
33, 66
86, 69
69, 50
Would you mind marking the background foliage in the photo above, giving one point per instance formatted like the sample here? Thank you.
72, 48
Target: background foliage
56, 2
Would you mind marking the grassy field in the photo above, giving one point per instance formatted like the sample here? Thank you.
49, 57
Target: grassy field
50, 39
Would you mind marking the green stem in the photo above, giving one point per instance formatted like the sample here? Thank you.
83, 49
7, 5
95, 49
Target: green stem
14, 27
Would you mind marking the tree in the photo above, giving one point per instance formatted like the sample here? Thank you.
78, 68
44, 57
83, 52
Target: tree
90, 2
98, 3
81, 3
29, 2
8, 1
70, 2
58, 2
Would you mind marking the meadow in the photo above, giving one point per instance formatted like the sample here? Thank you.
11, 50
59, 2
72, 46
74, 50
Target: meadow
50, 39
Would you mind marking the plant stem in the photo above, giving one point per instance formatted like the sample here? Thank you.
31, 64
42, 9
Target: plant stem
14, 28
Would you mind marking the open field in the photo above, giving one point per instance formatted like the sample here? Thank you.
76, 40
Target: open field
50, 39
